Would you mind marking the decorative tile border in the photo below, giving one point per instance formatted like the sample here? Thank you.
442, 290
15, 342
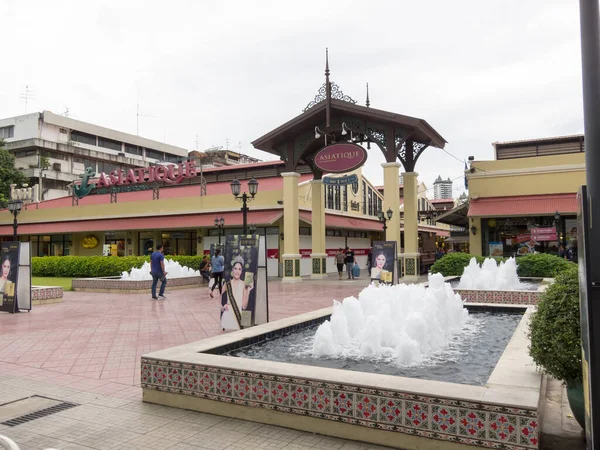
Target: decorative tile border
448, 419
46, 293
499, 297
115, 284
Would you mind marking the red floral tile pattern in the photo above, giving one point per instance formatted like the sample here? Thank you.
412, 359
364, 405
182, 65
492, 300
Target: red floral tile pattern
280, 393
190, 379
529, 432
174, 377
343, 403
472, 423
207, 382
224, 385
366, 407
416, 415
503, 427
299, 396
444, 419
391, 411
321, 399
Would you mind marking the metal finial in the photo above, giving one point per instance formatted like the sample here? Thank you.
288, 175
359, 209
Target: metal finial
328, 91
326, 62
368, 103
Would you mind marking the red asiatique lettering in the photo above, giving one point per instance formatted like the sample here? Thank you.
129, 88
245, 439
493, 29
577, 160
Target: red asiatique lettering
170, 174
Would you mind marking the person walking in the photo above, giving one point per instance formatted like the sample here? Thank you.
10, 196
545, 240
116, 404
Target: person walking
339, 260
218, 266
350, 261
158, 272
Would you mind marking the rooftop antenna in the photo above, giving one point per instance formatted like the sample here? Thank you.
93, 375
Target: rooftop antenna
368, 103
227, 144
27, 95
66, 113
138, 115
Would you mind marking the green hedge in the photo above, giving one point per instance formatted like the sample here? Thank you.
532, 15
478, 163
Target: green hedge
540, 265
97, 266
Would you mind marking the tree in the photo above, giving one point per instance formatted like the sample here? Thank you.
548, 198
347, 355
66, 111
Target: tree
8, 175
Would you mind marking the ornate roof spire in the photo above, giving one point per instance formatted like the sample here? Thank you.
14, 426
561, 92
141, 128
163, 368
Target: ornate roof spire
368, 102
328, 91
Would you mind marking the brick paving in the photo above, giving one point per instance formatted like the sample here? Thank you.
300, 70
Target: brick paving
87, 350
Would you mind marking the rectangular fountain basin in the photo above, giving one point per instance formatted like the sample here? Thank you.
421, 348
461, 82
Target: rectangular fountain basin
116, 285
399, 412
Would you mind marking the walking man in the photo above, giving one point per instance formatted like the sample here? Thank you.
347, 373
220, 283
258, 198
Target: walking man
349, 262
218, 266
339, 260
158, 272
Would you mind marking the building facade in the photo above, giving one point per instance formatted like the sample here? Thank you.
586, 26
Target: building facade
442, 188
53, 150
525, 201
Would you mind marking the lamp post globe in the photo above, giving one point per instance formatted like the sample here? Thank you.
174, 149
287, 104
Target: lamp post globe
235, 187
253, 187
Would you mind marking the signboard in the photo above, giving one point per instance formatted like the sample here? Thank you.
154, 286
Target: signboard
170, 174
341, 181
340, 158
239, 294
496, 249
384, 262
9, 270
543, 234
522, 238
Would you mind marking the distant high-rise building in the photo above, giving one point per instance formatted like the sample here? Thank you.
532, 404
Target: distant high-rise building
442, 188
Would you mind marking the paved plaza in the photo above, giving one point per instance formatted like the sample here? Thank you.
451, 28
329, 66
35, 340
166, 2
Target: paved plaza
87, 349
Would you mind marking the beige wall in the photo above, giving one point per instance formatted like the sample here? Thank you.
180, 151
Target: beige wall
78, 250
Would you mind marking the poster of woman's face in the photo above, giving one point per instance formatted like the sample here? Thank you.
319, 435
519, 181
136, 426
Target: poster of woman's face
241, 263
383, 258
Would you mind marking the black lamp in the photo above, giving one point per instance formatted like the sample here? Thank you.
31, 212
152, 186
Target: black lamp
15, 207
235, 187
473, 230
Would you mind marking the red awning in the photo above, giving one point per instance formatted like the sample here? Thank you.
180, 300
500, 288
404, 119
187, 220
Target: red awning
334, 221
260, 218
525, 205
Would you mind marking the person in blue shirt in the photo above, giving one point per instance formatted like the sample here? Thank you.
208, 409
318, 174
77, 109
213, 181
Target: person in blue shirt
218, 266
158, 272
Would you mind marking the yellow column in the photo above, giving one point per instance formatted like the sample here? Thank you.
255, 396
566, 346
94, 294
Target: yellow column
475, 240
391, 199
135, 243
411, 231
318, 255
157, 238
291, 228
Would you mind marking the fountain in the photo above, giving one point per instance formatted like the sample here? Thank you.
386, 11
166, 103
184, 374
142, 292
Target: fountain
405, 322
173, 268
498, 283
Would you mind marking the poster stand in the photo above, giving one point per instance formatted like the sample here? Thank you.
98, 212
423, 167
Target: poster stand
384, 263
15, 277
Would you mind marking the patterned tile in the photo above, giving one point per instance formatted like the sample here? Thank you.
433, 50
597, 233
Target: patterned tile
146, 373
528, 431
207, 382
260, 391
444, 420
416, 414
503, 427
224, 385
300, 396
241, 387
321, 400
366, 407
175, 377
471, 423
343, 403
280, 393
391, 411
159, 375
190, 380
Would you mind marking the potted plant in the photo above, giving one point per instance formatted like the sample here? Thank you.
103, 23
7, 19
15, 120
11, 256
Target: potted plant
555, 335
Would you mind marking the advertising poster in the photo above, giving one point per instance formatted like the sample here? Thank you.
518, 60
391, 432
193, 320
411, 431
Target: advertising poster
545, 234
383, 261
239, 292
9, 269
496, 249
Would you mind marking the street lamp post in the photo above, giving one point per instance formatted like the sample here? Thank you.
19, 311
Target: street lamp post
558, 228
383, 219
244, 198
219, 223
15, 207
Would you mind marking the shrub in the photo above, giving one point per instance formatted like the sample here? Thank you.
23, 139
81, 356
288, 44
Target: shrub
541, 265
96, 266
555, 331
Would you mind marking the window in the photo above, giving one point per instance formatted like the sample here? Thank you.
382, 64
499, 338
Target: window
133, 149
26, 154
370, 202
344, 198
85, 163
84, 138
379, 205
329, 200
364, 197
154, 154
54, 245
337, 204
7, 132
109, 143
107, 167
173, 158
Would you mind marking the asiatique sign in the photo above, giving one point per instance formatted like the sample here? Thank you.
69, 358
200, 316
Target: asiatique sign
170, 174
340, 158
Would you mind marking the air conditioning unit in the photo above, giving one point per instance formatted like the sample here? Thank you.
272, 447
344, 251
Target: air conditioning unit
121, 154
56, 166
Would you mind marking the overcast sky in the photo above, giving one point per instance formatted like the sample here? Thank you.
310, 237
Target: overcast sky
208, 71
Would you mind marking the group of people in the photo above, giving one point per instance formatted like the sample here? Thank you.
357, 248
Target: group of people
346, 257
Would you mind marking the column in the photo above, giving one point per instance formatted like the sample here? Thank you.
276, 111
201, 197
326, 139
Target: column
135, 242
318, 256
475, 240
391, 199
157, 238
291, 228
411, 257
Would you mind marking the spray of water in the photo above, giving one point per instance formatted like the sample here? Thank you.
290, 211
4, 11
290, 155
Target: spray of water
491, 276
407, 323
174, 269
